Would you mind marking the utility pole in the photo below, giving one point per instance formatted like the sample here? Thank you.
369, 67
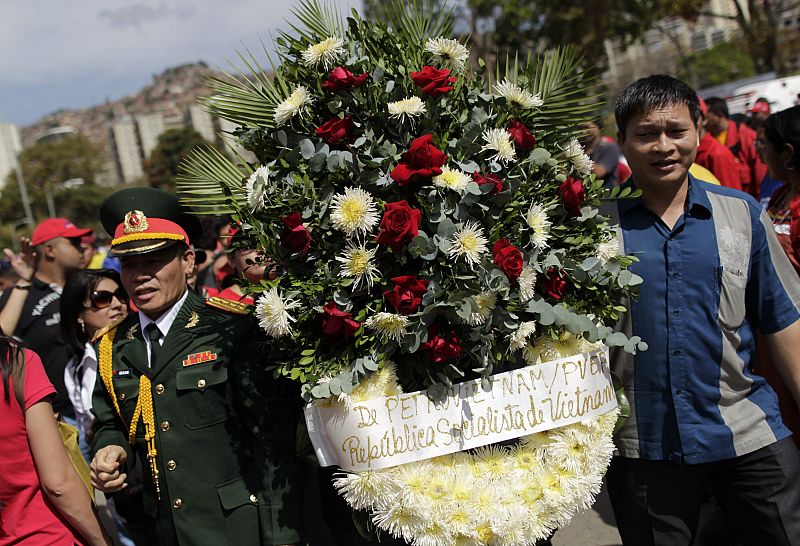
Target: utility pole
23, 193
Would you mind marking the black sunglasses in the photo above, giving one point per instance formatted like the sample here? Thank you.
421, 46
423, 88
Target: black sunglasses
101, 299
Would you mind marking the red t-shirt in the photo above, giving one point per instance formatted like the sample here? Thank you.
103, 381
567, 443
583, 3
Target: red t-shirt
719, 160
230, 294
27, 516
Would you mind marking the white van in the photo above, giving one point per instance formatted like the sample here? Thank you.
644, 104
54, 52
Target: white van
780, 92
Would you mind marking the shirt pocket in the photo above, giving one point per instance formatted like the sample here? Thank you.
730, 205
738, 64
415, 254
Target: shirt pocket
732, 307
202, 395
126, 389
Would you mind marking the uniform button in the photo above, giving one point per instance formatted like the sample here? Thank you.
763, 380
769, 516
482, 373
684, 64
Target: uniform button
122, 396
171, 465
676, 312
160, 389
177, 503
675, 274
253, 499
676, 352
201, 383
165, 426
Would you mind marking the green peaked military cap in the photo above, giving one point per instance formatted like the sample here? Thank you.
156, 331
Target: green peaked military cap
142, 220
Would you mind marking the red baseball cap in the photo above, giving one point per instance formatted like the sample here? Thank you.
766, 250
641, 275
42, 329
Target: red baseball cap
760, 107
56, 227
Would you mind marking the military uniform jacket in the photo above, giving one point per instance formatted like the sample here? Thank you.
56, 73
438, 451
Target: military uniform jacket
225, 429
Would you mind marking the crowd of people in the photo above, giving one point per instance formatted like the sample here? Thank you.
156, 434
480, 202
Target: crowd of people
147, 348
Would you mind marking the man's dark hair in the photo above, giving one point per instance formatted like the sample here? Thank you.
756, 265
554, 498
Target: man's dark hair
782, 128
718, 107
653, 92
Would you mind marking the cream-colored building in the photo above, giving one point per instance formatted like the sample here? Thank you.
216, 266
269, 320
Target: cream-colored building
10, 146
126, 149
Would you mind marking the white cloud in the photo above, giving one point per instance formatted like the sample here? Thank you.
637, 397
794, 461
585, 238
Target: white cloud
98, 48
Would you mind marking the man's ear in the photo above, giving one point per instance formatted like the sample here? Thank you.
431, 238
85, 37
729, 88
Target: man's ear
787, 156
48, 249
188, 261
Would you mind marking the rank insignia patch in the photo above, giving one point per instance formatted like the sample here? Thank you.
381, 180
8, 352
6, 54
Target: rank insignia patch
199, 358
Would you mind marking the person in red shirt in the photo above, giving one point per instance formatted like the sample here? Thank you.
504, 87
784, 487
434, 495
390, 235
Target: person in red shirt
714, 156
43, 502
740, 139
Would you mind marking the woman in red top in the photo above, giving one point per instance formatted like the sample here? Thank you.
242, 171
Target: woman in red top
781, 152
42, 499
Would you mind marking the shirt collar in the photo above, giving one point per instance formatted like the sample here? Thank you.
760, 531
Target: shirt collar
696, 197
164, 322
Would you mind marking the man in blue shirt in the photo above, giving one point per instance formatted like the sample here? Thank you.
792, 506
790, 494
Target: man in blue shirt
714, 273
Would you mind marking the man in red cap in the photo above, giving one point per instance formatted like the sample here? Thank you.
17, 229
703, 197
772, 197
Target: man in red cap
30, 312
184, 389
760, 111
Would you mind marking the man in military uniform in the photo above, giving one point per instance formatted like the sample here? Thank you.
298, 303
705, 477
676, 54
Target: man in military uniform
182, 383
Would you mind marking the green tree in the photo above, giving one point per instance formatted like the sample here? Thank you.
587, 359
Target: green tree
45, 166
721, 64
173, 145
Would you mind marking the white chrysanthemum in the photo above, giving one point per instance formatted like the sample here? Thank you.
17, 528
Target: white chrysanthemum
540, 226
499, 141
366, 488
297, 104
448, 52
354, 211
574, 152
486, 302
256, 188
519, 338
468, 242
388, 325
570, 448
608, 250
527, 283
326, 53
272, 312
358, 263
409, 108
517, 95
453, 179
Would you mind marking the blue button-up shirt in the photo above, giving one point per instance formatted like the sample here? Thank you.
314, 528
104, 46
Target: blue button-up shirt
709, 282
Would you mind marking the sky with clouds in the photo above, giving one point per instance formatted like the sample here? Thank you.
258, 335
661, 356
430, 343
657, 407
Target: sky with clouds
56, 54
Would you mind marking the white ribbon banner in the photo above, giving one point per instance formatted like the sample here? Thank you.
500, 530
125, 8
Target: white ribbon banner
385, 432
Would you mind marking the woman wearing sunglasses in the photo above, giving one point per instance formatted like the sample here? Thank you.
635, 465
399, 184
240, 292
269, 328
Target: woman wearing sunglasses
91, 300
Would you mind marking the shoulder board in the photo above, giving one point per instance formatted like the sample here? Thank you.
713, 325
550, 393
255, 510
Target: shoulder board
107, 328
235, 307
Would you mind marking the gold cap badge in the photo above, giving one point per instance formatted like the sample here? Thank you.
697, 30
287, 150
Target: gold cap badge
135, 222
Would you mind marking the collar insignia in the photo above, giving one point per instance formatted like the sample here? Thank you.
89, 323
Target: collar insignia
132, 331
193, 320
135, 222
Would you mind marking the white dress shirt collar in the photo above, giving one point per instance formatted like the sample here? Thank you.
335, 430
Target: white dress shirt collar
164, 322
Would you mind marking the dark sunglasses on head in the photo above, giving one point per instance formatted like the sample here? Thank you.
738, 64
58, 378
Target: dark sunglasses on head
101, 299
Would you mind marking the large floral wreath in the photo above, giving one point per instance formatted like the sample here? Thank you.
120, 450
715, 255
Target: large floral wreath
435, 224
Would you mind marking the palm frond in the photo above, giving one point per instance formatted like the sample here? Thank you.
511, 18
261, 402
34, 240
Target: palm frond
248, 98
421, 19
209, 181
318, 21
569, 93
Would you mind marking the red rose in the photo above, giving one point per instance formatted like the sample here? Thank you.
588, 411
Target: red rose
434, 82
406, 296
337, 325
493, 179
400, 224
422, 159
295, 237
573, 195
341, 78
523, 139
508, 258
441, 348
335, 130
554, 283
